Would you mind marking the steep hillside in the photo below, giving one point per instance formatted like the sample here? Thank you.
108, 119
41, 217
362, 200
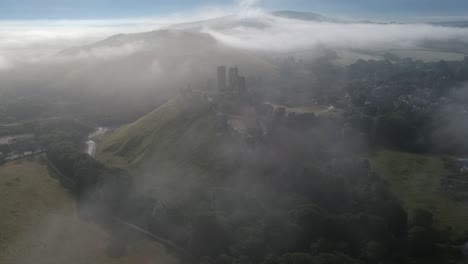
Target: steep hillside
166, 125
171, 150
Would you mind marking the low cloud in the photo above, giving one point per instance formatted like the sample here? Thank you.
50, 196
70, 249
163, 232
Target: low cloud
108, 52
5, 64
288, 34
30, 41
251, 28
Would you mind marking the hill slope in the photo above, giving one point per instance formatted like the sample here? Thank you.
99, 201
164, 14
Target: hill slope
171, 150
166, 125
39, 224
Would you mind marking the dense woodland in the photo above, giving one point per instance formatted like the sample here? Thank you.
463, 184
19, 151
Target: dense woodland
304, 194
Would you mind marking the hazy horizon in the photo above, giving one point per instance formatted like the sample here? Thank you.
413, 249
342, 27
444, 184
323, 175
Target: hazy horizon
30, 41
414, 10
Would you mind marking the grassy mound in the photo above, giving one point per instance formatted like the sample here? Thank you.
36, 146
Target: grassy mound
39, 224
415, 179
171, 150
173, 129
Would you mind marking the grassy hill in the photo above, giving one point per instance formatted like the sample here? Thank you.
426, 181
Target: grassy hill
415, 179
39, 224
166, 131
171, 150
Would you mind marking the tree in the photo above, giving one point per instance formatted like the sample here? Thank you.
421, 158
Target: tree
395, 130
421, 241
210, 236
422, 218
303, 258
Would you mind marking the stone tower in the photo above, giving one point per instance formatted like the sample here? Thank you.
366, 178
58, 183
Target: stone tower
233, 78
221, 78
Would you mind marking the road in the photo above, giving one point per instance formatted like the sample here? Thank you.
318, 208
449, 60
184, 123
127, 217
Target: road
24, 155
159, 239
98, 132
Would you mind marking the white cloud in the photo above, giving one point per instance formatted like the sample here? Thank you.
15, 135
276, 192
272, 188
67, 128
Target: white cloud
27, 41
5, 64
31, 41
286, 34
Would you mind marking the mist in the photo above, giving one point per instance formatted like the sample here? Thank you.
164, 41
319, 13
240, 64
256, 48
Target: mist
238, 135
152, 58
86, 55
244, 27
90, 55
288, 35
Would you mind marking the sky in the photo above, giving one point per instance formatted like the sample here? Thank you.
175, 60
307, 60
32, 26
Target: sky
406, 10
35, 30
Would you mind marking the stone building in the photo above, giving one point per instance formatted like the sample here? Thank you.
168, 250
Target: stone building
221, 78
236, 84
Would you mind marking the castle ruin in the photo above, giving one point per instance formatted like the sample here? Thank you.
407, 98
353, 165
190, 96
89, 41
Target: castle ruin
234, 84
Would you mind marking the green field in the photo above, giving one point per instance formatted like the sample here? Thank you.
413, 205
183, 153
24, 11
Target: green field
318, 110
415, 179
39, 224
426, 55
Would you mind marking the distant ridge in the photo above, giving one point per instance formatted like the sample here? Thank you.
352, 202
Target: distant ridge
459, 24
307, 16
169, 37
261, 21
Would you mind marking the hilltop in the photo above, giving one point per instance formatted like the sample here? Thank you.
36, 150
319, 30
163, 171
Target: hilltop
134, 141
176, 147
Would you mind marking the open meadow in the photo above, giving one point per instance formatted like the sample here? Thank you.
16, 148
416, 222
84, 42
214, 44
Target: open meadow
39, 224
